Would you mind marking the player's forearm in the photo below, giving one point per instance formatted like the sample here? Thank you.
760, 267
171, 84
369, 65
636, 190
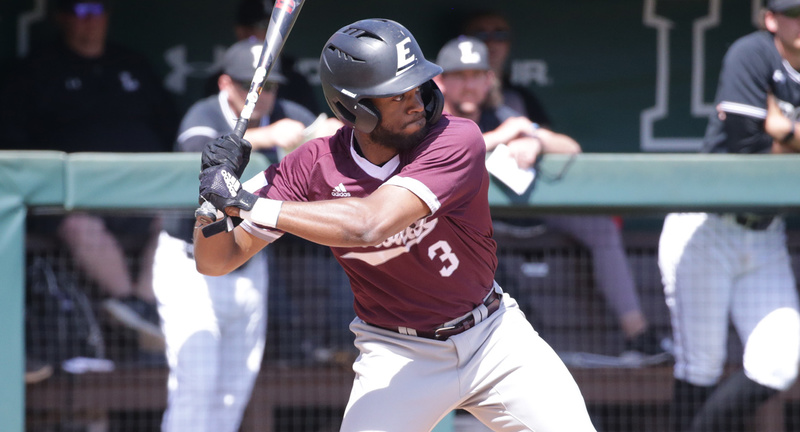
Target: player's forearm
345, 222
219, 254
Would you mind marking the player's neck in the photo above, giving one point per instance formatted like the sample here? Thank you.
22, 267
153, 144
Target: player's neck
374, 152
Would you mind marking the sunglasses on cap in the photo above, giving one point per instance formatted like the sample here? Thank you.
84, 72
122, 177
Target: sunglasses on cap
83, 10
791, 13
495, 35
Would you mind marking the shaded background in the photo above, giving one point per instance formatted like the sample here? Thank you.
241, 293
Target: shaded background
600, 56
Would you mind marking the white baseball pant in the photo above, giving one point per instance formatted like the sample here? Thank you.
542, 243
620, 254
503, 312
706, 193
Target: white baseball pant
215, 329
501, 371
715, 271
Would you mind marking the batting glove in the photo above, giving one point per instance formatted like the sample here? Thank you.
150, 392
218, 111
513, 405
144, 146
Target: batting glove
227, 150
222, 189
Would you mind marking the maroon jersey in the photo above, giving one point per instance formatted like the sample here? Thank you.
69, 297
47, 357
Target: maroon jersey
440, 267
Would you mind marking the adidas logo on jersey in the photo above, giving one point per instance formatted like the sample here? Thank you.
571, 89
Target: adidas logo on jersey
340, 191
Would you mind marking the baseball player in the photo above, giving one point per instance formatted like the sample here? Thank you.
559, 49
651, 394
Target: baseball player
400, 194
735, 266
215, 327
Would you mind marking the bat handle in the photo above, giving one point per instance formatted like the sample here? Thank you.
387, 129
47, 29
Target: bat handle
241, 127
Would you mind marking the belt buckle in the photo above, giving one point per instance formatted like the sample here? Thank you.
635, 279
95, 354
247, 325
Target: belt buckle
437, 333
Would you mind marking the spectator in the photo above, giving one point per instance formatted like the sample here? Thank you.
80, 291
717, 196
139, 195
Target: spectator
466, 83
215, 327
252, 20
719, 268
493, 29
84, 93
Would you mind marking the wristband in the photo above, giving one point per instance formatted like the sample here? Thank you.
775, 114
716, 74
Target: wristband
264, 212
790, 135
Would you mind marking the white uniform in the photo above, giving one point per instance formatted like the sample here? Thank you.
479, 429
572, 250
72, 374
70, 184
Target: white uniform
215, 329
715, 269
722, 268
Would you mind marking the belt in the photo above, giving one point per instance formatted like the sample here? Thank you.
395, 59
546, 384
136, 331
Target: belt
490, 305
754, 222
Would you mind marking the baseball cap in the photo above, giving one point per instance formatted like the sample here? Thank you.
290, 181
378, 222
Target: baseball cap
241, 59
782, 5
254, 13
463, 53
81, 7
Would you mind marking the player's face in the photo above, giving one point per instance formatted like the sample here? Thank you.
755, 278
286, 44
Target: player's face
465, 91
85, 28
787, 29
403, 123
495, 32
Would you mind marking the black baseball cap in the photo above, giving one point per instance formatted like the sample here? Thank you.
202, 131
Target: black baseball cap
254, 13
69, 5
241, 59
782, 5
463, 53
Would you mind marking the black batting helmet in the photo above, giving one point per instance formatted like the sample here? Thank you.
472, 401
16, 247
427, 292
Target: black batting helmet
375, 58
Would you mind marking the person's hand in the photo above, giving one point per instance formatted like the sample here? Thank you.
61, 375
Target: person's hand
220, 187
285, 134
228, 150
525, 151
516, 127
779, 126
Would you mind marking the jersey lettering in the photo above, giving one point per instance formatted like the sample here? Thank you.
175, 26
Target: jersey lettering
397, 244
404, 56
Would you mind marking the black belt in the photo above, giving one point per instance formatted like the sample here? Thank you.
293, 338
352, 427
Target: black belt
754, 222
443, 332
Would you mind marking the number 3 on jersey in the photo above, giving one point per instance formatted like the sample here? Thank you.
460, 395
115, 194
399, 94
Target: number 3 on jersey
446, 255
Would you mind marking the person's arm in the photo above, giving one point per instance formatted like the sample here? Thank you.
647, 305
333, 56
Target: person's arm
285, 133
510, 129
346, 222
781, 129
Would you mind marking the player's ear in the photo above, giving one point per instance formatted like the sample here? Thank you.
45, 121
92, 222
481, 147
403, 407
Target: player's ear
769, 21
224, 82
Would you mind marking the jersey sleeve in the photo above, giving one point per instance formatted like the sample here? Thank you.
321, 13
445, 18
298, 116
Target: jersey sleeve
449, 168
745, 79
285, 181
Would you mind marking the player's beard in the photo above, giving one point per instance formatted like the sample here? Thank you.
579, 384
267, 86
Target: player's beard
398, 140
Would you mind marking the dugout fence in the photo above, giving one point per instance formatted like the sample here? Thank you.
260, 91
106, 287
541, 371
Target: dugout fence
305, 376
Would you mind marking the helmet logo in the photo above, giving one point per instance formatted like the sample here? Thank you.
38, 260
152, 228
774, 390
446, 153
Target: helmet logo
404, 56
468, 54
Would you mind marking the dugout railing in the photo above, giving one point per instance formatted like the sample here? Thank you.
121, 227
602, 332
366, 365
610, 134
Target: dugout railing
642, 187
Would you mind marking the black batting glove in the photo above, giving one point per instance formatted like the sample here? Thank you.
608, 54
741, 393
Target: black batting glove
222, 189
227, 150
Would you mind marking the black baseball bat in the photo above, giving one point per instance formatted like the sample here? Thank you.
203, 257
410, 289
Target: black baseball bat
281, 20
284, 14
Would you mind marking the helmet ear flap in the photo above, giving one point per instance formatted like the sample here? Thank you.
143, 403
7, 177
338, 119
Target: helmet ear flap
368, 121
433, 99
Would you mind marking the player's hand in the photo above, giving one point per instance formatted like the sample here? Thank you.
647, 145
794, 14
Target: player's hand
222, 189
227, 150
525, 151
286, 134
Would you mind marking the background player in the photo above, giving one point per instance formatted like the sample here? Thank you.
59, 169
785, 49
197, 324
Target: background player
434, 331
717, 267
215, 327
